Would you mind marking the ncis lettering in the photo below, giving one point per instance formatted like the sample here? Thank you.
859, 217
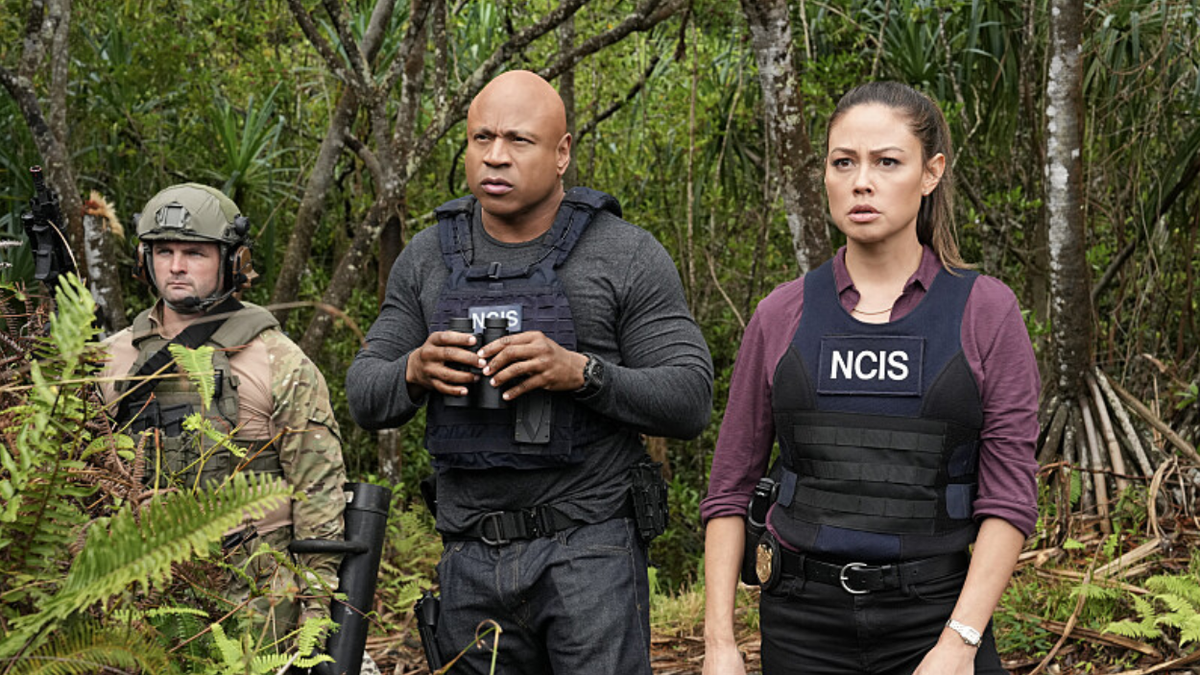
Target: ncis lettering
510, 312
871, 365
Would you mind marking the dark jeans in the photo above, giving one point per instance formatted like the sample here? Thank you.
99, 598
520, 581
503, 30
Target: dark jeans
815, 628
575, 603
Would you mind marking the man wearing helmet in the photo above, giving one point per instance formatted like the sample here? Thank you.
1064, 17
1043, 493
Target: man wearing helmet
268, 396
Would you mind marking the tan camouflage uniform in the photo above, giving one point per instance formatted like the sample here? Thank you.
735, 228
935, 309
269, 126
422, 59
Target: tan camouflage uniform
282, 396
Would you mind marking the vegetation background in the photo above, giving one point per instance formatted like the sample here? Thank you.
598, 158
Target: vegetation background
337, 127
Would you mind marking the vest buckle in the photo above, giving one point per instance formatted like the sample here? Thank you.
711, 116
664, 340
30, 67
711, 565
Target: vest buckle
494, 270
844, 577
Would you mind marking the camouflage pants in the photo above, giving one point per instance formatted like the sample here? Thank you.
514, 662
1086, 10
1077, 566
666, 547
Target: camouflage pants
266, 586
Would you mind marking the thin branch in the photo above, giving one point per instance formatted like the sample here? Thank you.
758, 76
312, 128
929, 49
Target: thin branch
712, 270
37, 32
407, 50
361, 69
1154, 421
364, 153
1189, 175
441, 63
617, 105
646, 16
318, 41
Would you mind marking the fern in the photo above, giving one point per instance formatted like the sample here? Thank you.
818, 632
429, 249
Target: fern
41, 512
239, 658
1144, 629
198, 365
197, 422
1180, 595
90, 648
124, 552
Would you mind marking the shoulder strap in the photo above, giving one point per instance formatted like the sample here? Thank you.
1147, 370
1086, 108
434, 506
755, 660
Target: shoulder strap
191, 337
454, 232
583, 204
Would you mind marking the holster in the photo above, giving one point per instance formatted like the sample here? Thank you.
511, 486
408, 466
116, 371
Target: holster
756, 524
651, 512
428, 610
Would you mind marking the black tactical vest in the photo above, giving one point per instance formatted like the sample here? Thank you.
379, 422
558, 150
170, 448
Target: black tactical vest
878, 428
531, 298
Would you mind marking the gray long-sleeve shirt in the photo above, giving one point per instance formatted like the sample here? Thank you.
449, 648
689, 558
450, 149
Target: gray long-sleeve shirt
629, 311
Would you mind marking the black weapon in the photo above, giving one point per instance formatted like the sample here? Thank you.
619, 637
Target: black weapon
44, 225
366, 516
427, 610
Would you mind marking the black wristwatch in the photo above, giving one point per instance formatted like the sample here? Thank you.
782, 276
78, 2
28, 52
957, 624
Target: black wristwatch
593, 376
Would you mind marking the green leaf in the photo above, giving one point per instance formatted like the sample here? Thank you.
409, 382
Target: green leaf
198, 365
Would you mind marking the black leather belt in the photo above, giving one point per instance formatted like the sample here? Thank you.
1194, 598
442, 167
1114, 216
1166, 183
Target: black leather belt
858, 578
501, 527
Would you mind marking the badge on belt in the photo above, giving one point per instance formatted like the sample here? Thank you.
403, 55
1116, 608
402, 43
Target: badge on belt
768, 564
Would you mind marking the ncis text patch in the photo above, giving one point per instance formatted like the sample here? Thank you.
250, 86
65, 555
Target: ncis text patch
877, 365
510, 312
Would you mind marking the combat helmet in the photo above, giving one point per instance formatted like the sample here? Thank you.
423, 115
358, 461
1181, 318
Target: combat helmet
195, 212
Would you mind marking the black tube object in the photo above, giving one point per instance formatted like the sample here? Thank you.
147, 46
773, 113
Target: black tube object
462, 324
494, 328
366, 516
427, 611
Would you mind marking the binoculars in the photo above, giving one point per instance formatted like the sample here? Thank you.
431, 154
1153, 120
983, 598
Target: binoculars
480, 394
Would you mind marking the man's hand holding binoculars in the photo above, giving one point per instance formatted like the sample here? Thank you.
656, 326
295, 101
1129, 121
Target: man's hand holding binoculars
429, 366
530, 361
526, 361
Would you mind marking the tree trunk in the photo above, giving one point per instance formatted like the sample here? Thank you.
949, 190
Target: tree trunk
49, 24
566, 89
312, 204
799, 167
1070, 277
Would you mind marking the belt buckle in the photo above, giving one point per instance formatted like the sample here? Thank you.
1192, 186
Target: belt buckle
843, 578
493, 517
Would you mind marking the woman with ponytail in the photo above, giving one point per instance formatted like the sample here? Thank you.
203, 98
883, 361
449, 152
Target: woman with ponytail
902, 390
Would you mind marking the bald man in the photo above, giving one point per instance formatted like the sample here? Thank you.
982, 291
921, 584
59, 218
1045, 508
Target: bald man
545, 336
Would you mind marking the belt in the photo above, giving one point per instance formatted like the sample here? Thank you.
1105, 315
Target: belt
858, 578
501, 527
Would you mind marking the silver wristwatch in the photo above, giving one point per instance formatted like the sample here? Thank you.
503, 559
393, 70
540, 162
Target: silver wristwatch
969, 635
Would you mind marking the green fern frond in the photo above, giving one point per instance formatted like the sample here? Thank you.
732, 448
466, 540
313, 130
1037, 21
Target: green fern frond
1143, 607
1189, 631
310, 634
1176, 603
231, 652
197, 364
91, 648
1183, 586
1132, 629
126, 552
197, 422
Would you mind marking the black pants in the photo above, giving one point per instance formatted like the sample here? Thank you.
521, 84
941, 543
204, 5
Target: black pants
814, 628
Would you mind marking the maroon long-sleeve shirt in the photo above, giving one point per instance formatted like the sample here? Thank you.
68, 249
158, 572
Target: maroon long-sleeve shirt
995, 343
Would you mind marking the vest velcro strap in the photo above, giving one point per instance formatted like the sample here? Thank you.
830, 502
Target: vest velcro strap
883, 507
870, 473
860, 437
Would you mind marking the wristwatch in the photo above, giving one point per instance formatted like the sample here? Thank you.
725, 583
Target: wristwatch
593, 376
969, 635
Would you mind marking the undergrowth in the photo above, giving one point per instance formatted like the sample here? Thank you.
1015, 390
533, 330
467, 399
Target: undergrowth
97, 573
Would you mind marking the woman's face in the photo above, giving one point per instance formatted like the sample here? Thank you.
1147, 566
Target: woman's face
874, 175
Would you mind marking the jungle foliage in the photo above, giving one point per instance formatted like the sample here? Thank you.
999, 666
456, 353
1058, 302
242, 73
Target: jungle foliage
670, 119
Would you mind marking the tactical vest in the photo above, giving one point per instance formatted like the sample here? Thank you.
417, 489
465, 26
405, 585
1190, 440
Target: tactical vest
532, 298
183, 456
878, 428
